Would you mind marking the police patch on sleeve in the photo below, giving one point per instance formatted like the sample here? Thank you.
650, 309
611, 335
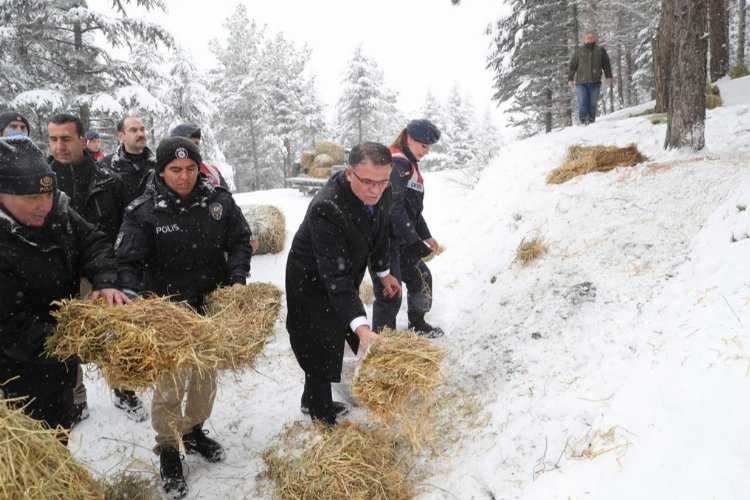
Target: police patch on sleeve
216, 210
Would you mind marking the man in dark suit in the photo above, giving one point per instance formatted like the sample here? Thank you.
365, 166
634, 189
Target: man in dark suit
345, 228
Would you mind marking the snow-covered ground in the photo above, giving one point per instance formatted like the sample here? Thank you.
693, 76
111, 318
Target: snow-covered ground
628, 335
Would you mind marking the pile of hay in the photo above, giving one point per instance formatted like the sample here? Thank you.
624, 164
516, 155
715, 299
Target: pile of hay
268, 226
138, 344
318, 163
713, 97
658, 118
33, 463
398, 374
345, 462
440, 250
738, 71
128, 486
582, 160
530, 250
366, 292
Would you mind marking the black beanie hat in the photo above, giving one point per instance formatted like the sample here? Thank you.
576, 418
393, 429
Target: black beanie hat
423, 131
12, 116
23, 169
188, 130
176, 148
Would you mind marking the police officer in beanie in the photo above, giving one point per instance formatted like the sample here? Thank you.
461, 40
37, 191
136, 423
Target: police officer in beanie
133, 161
98, 195
346, 226
193, 132
45, 248
14, 123
185, 238
412, 239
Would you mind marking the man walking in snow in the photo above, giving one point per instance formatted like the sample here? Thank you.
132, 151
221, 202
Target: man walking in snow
183, 238
585, 76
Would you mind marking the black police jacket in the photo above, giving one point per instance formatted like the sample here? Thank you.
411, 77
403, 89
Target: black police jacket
134, 175
42, 265
183, 248
408, 224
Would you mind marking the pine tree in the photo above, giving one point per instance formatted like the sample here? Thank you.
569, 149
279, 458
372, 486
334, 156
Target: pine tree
460, 141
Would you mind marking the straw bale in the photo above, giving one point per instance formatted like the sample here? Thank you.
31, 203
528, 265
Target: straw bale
268, 226
713, 101
440, 250
306, 159
397, 374
348, 461
336, 152
530, 250
658, 118
320, 172
34, 464
129, 486
138, 344
584, 159
366, 292
323, 161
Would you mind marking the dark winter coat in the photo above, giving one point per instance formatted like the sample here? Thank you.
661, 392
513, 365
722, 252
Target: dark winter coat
587, 63
186, 248
39, 266
408, 224
95, 193
326, 263
134, 170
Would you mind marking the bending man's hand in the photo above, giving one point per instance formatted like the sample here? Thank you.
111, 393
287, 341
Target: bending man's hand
111, 295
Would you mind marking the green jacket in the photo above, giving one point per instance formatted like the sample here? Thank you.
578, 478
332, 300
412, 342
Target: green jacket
587, 64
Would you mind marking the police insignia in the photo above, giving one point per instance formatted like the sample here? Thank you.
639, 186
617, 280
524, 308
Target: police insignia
180, 153
216, 210
45, 184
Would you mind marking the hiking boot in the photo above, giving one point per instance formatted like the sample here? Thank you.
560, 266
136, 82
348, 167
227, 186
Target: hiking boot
340, 409
423, 328
128, 402
171, 472
196, 441
325, 415
80, 412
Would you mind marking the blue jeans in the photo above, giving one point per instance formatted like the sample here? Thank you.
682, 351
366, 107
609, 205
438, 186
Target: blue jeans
587, 95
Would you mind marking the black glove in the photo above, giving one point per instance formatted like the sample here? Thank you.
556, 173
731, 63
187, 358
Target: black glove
420, 249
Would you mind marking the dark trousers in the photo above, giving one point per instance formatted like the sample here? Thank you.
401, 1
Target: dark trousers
587, 95
318, 398
407, 267
48, 388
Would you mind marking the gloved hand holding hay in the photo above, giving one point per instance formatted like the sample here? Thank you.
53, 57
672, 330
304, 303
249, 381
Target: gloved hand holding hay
137, 344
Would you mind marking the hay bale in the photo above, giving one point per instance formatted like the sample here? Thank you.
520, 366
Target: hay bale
336, 152
323, 161
440, 250
658, 118
306, 160
137, 345
366, 292
248, 313
738, 71
320, 172
397, 373
268, 226
34, 464
713, 101
530, 250
581, 160
348, 461
128, 486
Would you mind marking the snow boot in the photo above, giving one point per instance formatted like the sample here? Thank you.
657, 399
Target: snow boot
170, 467
196, 441
339, 408
422, 328
128, 402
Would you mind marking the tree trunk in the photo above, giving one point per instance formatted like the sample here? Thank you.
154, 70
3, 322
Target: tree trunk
662, 51
741, 27
718, 15
687, 106
620, 89
630, 97
548, 112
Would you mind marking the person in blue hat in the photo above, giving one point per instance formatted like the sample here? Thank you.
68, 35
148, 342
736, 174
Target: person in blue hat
411, 237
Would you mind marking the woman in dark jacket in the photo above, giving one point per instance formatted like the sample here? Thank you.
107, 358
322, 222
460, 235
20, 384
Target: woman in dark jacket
412, 239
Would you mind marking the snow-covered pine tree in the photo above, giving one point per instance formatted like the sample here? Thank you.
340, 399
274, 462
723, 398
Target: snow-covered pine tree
438, 159
366, 108
460, 139
64, 45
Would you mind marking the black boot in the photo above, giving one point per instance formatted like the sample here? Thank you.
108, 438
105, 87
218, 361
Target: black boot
196, 441
339, 408
80, 412
128, 402
423, 328
319, 401
171, 472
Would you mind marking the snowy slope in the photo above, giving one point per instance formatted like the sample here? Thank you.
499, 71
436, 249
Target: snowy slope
633, 321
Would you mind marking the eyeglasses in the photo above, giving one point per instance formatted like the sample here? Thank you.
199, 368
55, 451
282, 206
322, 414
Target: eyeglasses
371, 183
